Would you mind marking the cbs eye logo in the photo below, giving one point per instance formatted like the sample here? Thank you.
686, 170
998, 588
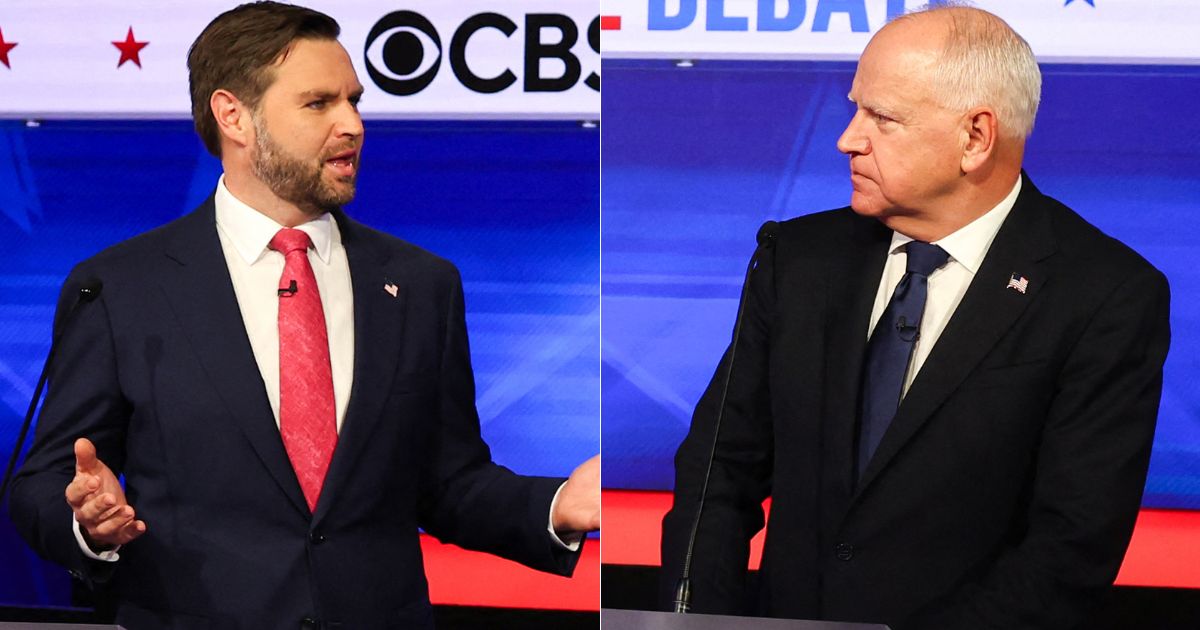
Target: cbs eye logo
398, 53
404, 53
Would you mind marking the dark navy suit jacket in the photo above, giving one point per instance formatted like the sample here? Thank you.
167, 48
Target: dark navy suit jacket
159, 373
1004, 492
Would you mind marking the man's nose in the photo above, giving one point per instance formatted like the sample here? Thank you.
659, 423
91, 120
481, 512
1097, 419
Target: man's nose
853, 141
349, 122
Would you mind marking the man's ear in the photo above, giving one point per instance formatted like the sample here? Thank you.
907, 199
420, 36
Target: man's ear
980, 130
234, 119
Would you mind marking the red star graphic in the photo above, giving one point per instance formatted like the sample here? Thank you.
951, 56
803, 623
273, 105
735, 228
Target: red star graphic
4, 48
129, 49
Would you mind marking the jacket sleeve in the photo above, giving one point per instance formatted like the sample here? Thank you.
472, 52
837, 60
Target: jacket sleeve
741, 469
466, 498
1091, 470
83, 400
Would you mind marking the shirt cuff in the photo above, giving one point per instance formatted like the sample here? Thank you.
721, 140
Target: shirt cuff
570, 540
104, 556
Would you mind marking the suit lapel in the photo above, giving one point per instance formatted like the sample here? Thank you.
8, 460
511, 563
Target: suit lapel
378, 324
988, 309
200, 292
854, 282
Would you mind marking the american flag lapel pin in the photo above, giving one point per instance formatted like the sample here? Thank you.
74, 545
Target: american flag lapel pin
1018, 283
391, 288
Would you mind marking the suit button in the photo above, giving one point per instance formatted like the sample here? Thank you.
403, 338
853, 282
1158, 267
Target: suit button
844, 552
316, 538
308, 623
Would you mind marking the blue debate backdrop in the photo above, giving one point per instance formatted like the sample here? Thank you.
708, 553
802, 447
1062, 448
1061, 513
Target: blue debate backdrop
513, 204
696, 158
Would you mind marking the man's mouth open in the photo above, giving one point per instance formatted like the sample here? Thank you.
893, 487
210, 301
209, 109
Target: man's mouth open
343, 163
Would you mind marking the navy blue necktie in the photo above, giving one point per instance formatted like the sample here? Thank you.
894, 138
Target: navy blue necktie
890, 348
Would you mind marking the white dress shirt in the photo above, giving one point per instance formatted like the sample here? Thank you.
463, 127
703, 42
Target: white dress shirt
967, 247
255, 270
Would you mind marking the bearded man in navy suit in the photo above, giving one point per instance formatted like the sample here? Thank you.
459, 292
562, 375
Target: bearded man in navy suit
287, 392
948, 389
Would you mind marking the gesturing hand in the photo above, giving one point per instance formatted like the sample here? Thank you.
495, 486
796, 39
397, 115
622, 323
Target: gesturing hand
98, 501
578, 506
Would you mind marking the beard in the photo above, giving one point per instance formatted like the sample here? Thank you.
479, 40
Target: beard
298, 181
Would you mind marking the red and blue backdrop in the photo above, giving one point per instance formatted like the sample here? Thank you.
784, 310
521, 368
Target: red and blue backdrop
714, 124
96, 145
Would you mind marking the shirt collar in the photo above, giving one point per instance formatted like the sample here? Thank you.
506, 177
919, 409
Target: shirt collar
969, 244
251, 231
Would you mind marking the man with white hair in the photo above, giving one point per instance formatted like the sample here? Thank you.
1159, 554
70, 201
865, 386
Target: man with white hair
948, 389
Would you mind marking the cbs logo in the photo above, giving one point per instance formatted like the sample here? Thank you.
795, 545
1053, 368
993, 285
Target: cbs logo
404, 53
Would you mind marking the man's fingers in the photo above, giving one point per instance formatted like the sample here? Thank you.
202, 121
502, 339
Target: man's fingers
80, 488
578, 505
106, 529
116, 512
130, 531
91, 478
588, 473
85, 456
88, 512
98, 500
93, 509
118, 528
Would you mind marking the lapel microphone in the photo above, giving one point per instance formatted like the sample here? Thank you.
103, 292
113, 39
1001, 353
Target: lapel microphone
683, 588
89, 290
909, 333
289, 291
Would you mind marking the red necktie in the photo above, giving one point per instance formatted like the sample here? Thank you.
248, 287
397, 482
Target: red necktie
307, 419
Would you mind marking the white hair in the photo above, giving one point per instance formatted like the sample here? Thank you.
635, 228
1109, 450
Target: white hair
985, 62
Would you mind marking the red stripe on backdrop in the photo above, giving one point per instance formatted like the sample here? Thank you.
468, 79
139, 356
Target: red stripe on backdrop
1163, 553
468, 578
610, 22
1164, 550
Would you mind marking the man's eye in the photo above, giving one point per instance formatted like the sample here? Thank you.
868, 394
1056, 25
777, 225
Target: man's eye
882, 118
316, 105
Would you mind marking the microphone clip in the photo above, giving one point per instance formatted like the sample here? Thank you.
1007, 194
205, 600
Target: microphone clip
908, 333
289, 291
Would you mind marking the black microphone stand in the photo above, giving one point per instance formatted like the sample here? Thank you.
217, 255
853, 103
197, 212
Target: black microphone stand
683, 589
87, 293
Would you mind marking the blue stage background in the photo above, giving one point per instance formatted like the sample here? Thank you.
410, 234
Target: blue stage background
695, 159
513, 204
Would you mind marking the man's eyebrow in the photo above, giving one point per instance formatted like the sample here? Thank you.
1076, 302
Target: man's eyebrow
875, 108
327, 95
321, 94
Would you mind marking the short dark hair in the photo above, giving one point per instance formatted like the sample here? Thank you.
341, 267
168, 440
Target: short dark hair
237, 50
